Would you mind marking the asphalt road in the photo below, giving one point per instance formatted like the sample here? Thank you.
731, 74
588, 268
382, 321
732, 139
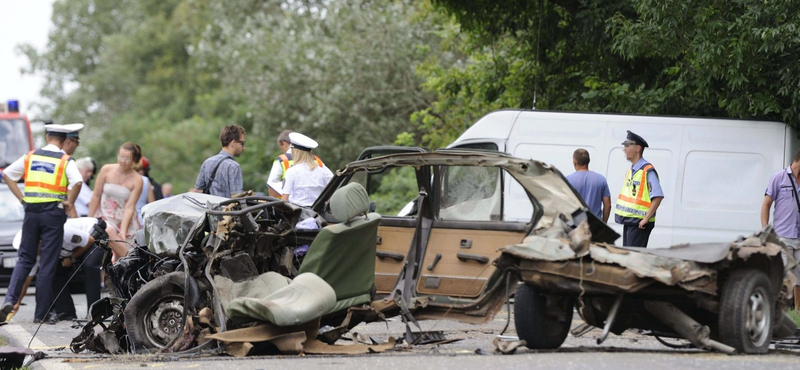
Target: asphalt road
473, 350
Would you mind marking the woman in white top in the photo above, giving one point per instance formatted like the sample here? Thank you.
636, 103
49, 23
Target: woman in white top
306, 179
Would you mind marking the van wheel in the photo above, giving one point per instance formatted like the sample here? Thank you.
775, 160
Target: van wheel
153, 316
746, 311
537, 327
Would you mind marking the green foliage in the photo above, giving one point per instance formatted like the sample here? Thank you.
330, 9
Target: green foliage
676, 57
168, 74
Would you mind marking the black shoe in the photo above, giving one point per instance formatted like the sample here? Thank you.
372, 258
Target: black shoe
67, 316
52, 319
5, 310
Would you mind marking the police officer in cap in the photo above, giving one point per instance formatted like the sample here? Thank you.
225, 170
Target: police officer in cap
282, 163
52, 182
640, 195
305, 180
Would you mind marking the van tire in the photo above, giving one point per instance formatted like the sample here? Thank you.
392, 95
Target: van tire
746, 316
160, 300
534, 326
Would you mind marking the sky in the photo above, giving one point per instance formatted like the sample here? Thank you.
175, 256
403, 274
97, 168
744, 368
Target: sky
24, 21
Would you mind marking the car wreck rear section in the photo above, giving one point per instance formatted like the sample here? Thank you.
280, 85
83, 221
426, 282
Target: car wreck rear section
728, 297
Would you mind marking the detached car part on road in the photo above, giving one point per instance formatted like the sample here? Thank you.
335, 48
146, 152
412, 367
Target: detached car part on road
231, 270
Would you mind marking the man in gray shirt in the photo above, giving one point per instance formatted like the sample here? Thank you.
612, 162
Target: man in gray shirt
220, 175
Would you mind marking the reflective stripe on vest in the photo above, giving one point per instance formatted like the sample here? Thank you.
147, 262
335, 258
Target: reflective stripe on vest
44, 176
634, 197
287, 161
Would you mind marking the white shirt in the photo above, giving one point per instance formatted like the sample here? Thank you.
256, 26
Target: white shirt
274, 180
76, 234
142, 198
17, 169
83, 200
304, 185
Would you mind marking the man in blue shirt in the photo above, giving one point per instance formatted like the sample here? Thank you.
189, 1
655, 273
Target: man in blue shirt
591, 185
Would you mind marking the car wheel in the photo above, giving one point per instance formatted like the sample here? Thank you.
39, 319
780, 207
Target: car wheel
154, 315
746, 311
541, 330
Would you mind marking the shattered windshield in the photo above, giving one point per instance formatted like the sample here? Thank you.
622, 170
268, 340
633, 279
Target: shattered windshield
14, 141
167, 222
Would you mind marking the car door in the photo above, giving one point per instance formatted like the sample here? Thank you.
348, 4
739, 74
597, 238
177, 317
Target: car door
393, 191
466, 234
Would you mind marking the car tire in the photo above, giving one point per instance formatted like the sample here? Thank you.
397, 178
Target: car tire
535, 327
746, 311
155, 313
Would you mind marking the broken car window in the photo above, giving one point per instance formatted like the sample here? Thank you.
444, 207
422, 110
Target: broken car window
470, 194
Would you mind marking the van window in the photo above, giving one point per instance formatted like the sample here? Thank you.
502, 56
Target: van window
392, 189
740, 173
481, 146
470, 193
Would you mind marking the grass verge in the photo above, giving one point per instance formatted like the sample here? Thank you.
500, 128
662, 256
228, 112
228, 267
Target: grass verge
795, 315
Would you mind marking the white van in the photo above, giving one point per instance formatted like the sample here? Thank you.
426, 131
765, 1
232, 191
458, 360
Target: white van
713, 171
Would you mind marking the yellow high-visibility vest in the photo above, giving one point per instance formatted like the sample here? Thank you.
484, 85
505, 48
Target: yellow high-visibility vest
45, 180
634, 197
287, 161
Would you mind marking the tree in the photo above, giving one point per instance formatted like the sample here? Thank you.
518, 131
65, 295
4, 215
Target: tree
699, 58
169, 74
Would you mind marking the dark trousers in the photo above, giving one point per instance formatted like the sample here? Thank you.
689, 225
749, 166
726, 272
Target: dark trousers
64, 305
45, 223
91, 269
633, 236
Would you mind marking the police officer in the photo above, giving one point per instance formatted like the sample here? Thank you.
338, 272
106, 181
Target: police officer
304, 181
640, 195
52, 182
282, 163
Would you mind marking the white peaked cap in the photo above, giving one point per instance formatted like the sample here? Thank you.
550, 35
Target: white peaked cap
302, 142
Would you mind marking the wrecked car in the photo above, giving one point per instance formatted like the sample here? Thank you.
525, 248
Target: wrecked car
435, 242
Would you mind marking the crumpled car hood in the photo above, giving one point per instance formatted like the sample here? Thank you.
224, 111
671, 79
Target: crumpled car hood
168, 221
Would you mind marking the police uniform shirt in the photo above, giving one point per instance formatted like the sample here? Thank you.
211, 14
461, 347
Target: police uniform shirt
652, 178
274, 181
15, 170
305, 185
76, 234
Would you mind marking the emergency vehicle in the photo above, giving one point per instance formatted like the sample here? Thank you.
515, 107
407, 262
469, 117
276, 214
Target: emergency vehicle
16, 137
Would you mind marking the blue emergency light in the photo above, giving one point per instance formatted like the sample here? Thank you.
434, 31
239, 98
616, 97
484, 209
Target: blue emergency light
13, 105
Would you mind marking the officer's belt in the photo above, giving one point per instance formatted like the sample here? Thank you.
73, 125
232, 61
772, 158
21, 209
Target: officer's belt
46, 195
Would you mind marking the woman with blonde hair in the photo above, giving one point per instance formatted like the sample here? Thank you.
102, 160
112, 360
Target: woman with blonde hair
116, 191
308, 176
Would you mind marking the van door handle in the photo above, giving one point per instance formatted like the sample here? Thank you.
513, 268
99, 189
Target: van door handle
473, 257
395, 256
435, 261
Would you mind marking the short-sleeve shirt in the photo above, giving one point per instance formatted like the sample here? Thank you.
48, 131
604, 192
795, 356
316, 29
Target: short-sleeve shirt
227, 181
304, 185
786, 218
592, 186
275, 179
76, 234
652, 178
16, 169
